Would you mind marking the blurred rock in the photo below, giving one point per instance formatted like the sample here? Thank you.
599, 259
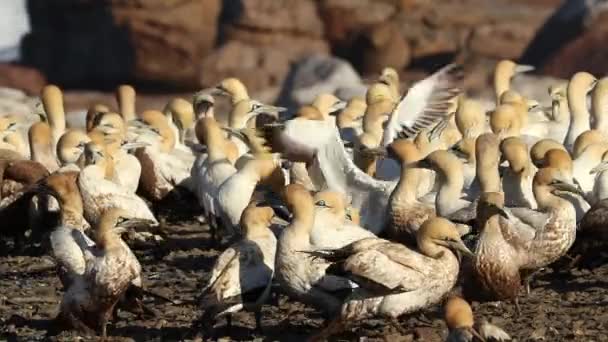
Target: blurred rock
504, 40
258, 68
382, 46
587, 52
317, 74
344, 19
170, 37
297, 17
27, 79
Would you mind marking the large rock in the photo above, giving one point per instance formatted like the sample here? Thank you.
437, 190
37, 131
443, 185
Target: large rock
381, 46
170, 37
319, 74
258, 68
587, 52
27, 79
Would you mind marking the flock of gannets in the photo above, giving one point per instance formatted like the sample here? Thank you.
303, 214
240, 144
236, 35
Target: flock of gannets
373, 196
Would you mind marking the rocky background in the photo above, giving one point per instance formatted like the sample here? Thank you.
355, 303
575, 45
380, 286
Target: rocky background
286, 50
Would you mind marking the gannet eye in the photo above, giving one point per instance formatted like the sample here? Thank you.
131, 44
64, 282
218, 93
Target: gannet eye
11, 125
321, 203
255, 107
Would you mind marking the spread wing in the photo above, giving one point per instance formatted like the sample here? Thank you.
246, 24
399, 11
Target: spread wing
424, 104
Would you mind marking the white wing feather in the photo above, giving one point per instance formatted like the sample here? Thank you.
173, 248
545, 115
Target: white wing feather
424, 104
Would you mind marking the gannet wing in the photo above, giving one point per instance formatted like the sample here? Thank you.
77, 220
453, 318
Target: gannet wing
424, 104
110, 195
69, 246
238, 271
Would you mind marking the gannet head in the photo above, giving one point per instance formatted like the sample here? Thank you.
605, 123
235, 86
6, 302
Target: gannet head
255, 220
232, 87
298, 199
71, 146
600, 96
158, 122
334, 202
94, 154
52, 100
440, 161
581, 83
504, 121
110, 123
504, 72
515, 151
328, 104
202, 103
246, 110
389, 76
181, 111
602, 166
540, 148
125, 97
465, 149
552, 179
458, 313
113, 223
586, 139
560, 160
93, 112
439, 232
491, 204
403, 151
378, 92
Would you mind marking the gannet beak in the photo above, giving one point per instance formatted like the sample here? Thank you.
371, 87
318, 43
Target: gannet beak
601, 167
235, 133
271, 109
216, 91
456, 151
521, 68
128, 146
534, 106
337, 106
374, 152
132, 223
573, 188
458, 245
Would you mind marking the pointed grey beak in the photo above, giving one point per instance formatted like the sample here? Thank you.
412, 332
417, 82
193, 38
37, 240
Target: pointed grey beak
132, 223
133, 145
337, 106
601, 167
374, 152
521, 68
458, 245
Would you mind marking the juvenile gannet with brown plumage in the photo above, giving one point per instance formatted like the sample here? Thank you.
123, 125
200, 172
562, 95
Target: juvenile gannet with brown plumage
163, 167
504, 71
332, 228
463, 328
392, 279
517, 179
579, 86
242, 275
518, 239
101, 271
300, 275
99, 193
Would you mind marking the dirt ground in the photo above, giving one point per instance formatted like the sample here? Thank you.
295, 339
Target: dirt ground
567, 306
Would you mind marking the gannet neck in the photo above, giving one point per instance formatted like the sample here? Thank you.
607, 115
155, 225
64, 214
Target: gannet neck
300, 203
448, 195
52, 100
545, 199
235, 89
125, 97
578, 87
406, 189
487, 156
599, 104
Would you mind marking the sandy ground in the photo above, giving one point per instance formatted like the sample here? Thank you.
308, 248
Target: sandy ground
565, 306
